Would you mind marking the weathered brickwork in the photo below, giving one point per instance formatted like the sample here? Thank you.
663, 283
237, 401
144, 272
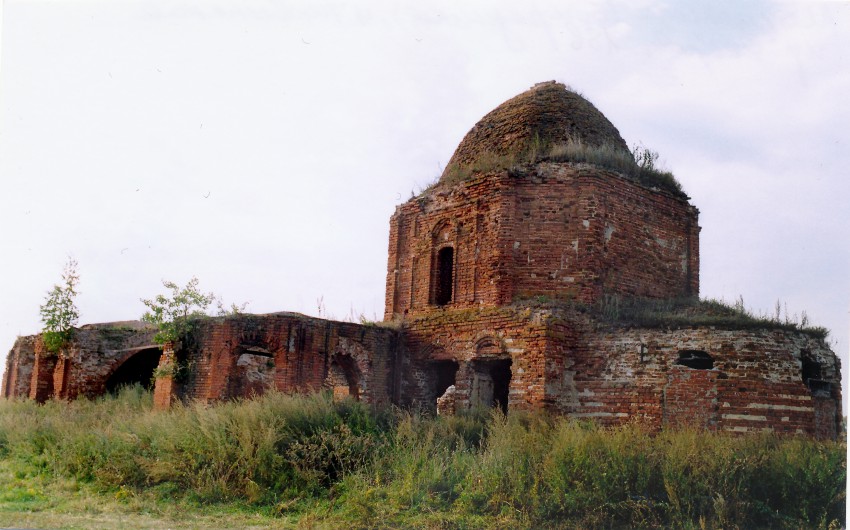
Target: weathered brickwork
19, 366
246, 355
88, 366
733, 380
560, 230
490, 276
468, 349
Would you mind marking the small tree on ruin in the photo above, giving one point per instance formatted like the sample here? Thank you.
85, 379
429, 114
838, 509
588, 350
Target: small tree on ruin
173, 313
59, 313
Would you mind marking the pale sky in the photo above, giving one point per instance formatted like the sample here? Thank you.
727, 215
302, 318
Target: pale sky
262, 146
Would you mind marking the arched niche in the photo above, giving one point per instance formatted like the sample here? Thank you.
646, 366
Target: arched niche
343, 377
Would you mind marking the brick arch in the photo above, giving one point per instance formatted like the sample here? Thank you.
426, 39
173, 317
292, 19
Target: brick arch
443, 232
489, 370
343, 369
489, 345
134, 366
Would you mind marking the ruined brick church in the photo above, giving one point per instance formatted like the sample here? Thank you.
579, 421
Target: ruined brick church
494, 280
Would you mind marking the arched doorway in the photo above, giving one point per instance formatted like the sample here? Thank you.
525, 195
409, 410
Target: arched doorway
491, 383
138, 368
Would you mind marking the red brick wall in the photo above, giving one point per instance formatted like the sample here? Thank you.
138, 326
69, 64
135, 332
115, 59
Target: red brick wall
466, 218
81, 368
581, 232
468, 336
297, 350
559, 230
19, 365
756, 383
566, 363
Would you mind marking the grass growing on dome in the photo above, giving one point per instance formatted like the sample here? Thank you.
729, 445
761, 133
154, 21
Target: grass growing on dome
639, 165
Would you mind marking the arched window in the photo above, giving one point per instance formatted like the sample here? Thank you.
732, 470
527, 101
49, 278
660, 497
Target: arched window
444, 276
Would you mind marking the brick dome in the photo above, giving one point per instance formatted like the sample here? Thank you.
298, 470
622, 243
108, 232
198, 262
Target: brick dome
548, 113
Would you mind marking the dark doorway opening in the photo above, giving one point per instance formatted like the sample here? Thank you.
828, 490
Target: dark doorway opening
491, 383
445, 276
696, 359
445, 373
137, 369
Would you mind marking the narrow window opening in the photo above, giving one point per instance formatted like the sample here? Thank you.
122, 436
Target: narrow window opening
696, 359
445, 276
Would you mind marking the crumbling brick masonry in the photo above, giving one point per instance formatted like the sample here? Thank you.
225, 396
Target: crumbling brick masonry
491, 280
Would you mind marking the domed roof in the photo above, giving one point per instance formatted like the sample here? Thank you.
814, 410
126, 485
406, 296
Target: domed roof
547, 114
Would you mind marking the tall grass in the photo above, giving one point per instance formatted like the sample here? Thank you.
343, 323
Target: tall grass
394, 468
639, 165
649, 312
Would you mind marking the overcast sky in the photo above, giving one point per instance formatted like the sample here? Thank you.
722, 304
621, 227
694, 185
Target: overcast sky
262, 146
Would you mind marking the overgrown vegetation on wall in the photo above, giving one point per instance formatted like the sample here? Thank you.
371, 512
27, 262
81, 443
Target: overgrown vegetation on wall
342, 464
689, 312
640, 165
683, 312
174, 313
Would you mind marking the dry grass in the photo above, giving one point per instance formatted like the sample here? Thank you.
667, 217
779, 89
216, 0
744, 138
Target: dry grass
640, 165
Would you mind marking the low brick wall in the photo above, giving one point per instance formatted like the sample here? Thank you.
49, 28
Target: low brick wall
247, 354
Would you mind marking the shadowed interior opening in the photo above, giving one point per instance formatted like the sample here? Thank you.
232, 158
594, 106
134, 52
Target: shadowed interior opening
445, 373
696, 359
137, 369
445, 276
491, 383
